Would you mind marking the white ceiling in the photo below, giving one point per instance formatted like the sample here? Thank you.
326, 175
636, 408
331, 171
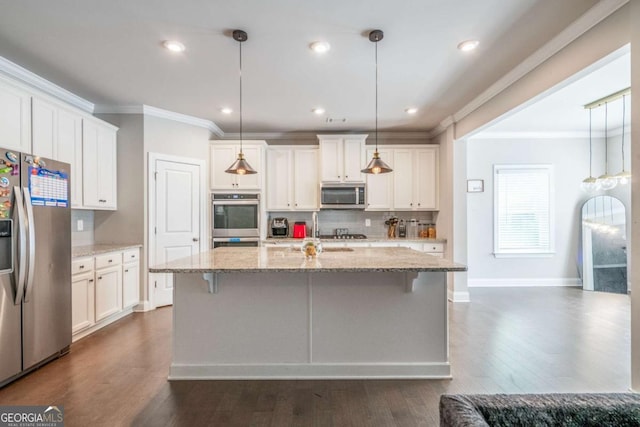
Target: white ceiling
109, 52
561, 110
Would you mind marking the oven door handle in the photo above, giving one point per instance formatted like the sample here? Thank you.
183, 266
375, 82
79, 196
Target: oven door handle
235, 202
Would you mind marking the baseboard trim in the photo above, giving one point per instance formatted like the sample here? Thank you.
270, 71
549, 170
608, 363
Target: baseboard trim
143, 306
101, 324
310, 371
458, 296
515, 283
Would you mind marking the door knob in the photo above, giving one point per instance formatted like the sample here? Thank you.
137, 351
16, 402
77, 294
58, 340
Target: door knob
195, 239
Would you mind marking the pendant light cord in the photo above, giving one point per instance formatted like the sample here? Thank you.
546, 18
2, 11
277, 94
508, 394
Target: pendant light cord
606, 141
623, 117
376, 96
590, 151
240, 43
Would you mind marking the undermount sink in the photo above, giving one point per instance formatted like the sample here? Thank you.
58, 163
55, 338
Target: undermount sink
337, 250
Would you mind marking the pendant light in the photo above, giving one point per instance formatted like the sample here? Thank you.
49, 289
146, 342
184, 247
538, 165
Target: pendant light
623, 177
376, 165
607, 182
240, 166
590, 184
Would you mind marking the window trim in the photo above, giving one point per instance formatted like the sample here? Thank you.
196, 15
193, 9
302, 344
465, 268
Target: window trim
524, 253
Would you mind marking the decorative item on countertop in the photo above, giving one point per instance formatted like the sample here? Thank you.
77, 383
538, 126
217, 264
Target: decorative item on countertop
311, 248
431, 231
402, 229
412, 229
391, 223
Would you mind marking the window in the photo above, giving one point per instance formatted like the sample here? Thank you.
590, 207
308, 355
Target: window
523, 212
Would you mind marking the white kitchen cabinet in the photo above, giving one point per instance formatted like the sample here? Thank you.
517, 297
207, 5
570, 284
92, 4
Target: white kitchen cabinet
292, 179
44, 128
69, 150
380, 186
108, 292
130, 278
415, 180
15, 118
341, 158
99, 168
82, 294
223, 155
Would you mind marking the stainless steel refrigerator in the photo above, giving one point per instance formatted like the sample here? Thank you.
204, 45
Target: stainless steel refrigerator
35, 262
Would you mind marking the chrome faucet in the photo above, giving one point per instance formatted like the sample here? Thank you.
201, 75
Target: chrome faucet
315, 233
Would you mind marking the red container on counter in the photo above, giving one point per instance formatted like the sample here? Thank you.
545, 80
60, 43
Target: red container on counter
299, 230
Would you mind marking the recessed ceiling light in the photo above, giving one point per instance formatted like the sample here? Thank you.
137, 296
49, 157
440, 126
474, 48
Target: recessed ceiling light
173, 46
226, 110
411, 110
468, 45
320, 47
318, 111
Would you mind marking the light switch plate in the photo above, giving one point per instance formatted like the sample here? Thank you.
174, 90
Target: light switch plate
80, 225
367, 222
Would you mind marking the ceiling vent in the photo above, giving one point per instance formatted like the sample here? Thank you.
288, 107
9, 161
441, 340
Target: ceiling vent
336, 120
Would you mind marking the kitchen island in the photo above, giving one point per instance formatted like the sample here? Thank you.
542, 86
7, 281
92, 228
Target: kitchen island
263, 312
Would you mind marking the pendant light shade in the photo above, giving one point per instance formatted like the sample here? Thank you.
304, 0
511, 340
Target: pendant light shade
606, 181
624, 176
590, 184
376, 165
240, 166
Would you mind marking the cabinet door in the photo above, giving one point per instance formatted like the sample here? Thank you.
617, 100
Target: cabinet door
331, 160
130, 284
221, 158
253, 156
426, 178
107, 169
279, 179
380, 187
108, 292
69, 150
403, 179
98, 166
44, 125
353, 160
15, 119
306, 185
82, 301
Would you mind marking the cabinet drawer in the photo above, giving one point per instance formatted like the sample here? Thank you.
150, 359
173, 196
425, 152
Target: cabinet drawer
433, 247
81, 265
108, 260
131, 255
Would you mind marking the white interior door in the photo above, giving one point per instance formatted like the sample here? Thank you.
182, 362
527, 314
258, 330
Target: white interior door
177, 229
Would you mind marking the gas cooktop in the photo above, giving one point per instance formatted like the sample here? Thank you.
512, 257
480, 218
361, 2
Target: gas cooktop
343, 236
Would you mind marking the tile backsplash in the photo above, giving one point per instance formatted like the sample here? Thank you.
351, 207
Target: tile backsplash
84, 237
329, 220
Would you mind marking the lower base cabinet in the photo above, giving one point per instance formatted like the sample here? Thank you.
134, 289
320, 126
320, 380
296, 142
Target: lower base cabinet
103, 289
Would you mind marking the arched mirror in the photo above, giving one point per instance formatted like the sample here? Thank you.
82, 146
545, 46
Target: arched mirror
604, 245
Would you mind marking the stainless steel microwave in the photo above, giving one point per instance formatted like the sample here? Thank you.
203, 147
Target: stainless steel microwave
343, 196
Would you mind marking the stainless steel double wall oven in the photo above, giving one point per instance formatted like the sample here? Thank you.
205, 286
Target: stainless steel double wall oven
235, 219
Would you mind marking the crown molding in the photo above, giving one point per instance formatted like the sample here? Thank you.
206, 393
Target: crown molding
34, 81
441, 127
550, 135
148, 110
588, 20
418, 135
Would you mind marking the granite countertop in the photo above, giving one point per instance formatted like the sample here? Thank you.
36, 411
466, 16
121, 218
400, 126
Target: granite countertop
367, 240
90, 250
275, 259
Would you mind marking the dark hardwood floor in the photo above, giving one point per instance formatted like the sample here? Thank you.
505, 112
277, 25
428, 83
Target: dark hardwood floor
518, 340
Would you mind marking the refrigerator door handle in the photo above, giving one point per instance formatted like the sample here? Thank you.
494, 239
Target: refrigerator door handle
20, 267
31, 233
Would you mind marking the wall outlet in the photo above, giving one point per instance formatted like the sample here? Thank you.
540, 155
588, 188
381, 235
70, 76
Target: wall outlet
80, 225
367, 222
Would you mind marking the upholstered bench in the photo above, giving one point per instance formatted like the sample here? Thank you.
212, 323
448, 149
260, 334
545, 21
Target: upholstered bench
605, 409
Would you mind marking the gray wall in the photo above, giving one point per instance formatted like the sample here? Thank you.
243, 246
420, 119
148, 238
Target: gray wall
570, 158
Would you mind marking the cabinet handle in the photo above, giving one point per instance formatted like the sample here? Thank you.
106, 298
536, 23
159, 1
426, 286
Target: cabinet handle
81, 267
296, 204
338, 176
102, 201
410, 204
288, 204
110, 260
126, 271
346, 176
133, 256
418, 204
100, 278
195, 239
90, 280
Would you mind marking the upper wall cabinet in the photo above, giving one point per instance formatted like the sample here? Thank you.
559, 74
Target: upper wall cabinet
380, 186
69, 150
224, 153
416, 181
99, 168
342, 158
44, 128
292, 178
15, 118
